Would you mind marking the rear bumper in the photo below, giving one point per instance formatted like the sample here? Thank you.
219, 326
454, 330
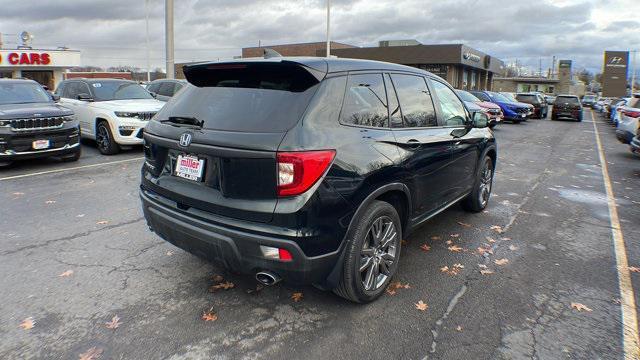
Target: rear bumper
236, 249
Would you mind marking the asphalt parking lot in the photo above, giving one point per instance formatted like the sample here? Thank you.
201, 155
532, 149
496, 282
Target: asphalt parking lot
534, 276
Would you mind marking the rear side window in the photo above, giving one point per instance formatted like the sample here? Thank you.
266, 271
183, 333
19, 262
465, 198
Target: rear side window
415, 101
365, 101
567, 100
166, 89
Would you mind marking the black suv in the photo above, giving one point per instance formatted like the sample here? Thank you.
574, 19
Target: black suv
566, 107
311, 170
33, 125
540, 106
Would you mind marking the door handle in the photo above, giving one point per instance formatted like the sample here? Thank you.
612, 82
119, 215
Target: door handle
413, 143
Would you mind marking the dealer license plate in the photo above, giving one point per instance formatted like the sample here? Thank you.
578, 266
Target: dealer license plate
189, 167
41, 144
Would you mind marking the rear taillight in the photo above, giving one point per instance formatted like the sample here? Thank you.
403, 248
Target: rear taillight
633, 114
298, 171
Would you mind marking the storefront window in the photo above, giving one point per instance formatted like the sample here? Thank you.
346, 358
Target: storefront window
6, 74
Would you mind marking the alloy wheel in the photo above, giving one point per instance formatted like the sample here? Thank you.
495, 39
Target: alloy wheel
102, 137
378, 253
485, 184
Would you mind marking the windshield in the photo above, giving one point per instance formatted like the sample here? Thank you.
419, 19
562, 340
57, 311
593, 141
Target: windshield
22, 93
118, 90
589, 97
466, 96
499, 97
567, 100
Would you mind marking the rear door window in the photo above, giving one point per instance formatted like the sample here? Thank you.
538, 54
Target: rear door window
365, 101
415, 101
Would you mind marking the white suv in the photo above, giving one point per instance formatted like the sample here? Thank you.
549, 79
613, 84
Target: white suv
112, 112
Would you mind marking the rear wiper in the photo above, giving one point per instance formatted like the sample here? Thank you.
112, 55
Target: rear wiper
183, 121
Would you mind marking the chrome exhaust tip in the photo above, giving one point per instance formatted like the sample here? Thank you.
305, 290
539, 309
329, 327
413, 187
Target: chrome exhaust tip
267, 278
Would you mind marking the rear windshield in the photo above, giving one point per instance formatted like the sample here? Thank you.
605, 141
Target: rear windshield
589, 97
567, 100
231, 108
527, 98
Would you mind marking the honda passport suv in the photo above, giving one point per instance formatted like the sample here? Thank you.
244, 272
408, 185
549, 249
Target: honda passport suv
112, 112
33, 125
311, 170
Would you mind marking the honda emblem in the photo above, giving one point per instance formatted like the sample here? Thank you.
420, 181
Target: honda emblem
185, 139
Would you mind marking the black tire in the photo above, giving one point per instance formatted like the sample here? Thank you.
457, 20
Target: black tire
73, 156
104, 139
353, 283
479, 197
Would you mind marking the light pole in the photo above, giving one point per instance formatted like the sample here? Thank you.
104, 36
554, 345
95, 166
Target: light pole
328, 28
633, 72
168, 30
146, 10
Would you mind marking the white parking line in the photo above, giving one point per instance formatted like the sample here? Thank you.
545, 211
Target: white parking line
627, 297
70, 169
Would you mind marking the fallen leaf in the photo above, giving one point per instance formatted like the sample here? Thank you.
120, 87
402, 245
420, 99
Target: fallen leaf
217, 278
50, 202
449, 242
513, 247
80, 215
436, 238
28, 323
91, 354
390, 291
102, 222
66, 273
421, 305
580, 307
482, 266
296, 296
458, 266
505, 238
491, 240
169, 253
482, 250
501, 261
455, 248
634, 269
486, 272
114, 323
455, 235
225, 285
209, 315
496, 228
444, 269
403, 242
425, 247
459, 328
463, 224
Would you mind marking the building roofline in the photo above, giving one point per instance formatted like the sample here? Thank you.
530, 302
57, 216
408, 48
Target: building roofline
302, 43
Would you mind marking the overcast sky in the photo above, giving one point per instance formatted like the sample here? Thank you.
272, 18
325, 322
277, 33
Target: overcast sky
112, 32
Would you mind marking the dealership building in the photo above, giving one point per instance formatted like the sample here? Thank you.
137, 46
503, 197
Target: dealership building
462, 66
45, 66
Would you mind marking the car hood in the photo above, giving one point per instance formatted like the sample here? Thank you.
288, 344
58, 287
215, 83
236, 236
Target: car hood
133, 105
487, 105
472, 106
47, 109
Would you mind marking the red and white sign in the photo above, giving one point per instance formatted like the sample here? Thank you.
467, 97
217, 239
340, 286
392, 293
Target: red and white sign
39, 58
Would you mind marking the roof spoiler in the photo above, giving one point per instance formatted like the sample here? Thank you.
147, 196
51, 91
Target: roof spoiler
300, 76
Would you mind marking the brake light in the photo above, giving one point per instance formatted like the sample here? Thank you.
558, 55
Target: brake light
298, 171
633, 114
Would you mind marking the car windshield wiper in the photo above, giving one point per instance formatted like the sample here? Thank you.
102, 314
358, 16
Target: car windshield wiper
183, 121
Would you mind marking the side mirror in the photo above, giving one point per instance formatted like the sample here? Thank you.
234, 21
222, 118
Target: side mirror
480, 120
55, 97
85, 97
